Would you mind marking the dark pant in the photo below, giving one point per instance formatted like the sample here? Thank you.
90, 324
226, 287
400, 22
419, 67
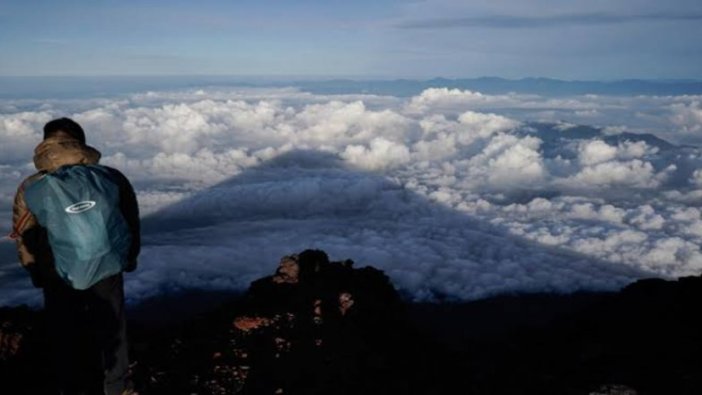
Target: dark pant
88, 337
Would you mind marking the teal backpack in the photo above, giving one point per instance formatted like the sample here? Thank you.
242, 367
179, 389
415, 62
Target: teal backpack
79, 207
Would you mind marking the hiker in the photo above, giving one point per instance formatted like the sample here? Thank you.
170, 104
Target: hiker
76, 224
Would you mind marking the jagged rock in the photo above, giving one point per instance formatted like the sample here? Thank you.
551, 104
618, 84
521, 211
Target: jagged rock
16, 325
288, 271
613, 389
246, 323
313, 327
317, 327
11, 339
22, 350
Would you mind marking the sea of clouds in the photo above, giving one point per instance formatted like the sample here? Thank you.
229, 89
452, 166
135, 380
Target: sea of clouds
455, 194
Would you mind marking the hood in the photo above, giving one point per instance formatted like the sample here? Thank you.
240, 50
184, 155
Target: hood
55, 152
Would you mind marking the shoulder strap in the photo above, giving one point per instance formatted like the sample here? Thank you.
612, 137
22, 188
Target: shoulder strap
19, 226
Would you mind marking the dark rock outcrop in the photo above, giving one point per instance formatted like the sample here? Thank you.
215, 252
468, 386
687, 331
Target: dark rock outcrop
314, 327
321, 327
23, 349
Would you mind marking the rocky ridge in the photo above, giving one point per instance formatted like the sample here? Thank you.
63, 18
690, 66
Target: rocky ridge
322, 327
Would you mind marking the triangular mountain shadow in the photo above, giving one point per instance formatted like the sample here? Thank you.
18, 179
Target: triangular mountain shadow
234, 232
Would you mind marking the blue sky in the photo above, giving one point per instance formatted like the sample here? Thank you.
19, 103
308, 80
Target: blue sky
380, 38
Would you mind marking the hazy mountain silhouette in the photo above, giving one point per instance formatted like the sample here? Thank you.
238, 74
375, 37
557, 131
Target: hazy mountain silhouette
496, 85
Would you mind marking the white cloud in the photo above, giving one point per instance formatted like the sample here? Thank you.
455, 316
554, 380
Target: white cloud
688, 116
203, 167
646, 218
477, 125
633, 173
338, 121
513, 162
176, 127
20, 132
381, 154
607, 165
596, 151
448, 98
670, 255
151, 201
629, 149
443, 138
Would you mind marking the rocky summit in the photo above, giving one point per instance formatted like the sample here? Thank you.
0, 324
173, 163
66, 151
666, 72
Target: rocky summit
313, 327
317, 326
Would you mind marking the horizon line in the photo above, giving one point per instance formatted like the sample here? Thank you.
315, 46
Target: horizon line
353, 78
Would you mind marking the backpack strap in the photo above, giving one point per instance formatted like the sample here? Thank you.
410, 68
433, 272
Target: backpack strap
19, 226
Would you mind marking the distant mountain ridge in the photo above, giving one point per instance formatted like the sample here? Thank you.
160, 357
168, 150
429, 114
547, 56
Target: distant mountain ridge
41, 87
497, 85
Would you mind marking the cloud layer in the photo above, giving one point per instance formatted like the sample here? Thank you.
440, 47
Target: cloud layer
456, 194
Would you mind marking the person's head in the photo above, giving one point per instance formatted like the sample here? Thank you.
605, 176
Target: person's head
65, 126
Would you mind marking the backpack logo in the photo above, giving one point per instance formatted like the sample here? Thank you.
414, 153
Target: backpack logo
80, 207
